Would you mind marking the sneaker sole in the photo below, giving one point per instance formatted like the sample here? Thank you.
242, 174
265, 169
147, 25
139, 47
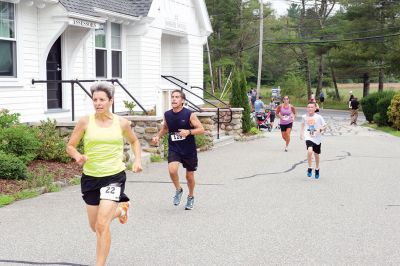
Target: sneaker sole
126, 214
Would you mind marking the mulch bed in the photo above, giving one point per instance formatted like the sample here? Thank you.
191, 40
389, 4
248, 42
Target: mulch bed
60, 171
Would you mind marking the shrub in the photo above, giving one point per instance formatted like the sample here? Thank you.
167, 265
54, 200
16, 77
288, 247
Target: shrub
201, 141
394, 111
382, 107
130, 106
52, 146
293, 85
369, 103
254, 131
21, 141
11, 167
6, 199
155, 158
7, 119
246, 120
41, 178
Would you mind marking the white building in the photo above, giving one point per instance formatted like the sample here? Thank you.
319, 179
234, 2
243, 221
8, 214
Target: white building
135, 41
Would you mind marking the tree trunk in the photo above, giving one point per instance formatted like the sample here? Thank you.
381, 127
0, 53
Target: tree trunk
219, 78
337, 95
366, 82
320, 75
381, 79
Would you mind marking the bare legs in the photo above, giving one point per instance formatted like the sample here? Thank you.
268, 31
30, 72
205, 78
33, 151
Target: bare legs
173, 173
100, 218
286, 137
309, 158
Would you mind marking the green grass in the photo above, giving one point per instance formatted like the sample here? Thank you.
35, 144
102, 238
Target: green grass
389, 130
76, 181
6, 199
26, 194
155, 158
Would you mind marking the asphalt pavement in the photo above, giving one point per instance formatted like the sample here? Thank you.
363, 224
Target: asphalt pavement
254, 205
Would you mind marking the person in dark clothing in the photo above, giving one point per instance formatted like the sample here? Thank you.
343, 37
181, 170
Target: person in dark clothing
181, 125
354, 104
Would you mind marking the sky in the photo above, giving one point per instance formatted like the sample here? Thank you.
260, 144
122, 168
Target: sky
280, 6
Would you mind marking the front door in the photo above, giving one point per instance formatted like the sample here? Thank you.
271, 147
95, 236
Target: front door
53, 63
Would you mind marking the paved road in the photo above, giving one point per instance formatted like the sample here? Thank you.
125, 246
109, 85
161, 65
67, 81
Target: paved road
254, 206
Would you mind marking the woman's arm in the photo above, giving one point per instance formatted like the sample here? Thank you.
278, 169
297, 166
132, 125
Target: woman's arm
135, 144
76, 137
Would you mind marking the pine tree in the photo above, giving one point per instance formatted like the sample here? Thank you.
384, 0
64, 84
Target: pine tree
246, 120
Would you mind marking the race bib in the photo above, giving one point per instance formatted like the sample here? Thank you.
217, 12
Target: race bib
176, 137
110, 192
285, 117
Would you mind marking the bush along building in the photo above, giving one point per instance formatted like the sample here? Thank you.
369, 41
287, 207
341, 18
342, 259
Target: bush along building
75, 41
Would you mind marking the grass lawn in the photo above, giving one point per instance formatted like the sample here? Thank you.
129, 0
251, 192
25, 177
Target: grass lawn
389, 130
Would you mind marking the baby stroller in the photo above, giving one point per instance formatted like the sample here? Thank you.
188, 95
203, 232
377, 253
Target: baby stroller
262, 119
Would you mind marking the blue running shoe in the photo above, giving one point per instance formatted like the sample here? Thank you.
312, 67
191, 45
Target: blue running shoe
316, 173
309, 172
189, 203
178, 196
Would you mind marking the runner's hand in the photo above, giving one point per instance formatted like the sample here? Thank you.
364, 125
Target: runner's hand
156, 140
184, 132
81, 159
137, 167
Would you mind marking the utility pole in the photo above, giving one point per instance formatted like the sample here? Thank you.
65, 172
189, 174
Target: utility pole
260, 48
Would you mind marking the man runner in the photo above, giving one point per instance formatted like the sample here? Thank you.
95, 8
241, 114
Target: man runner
181, 125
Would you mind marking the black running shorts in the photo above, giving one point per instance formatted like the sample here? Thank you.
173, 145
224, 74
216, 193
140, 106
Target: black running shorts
284, 127
188, 162
90, 187
316, 147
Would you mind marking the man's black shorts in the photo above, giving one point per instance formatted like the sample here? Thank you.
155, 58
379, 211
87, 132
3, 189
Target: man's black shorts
284, 127
90, 187
316, 148
188, 162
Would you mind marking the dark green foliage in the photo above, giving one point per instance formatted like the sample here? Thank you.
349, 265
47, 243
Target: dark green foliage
7, 119
52, 146
11, 167
20, 141
382, 107
394, 111
246, 120
370, 105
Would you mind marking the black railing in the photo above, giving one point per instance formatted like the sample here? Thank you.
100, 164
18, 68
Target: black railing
79, 83
183, 86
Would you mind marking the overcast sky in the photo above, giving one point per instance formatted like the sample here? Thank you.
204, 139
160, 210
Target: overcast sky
280, 6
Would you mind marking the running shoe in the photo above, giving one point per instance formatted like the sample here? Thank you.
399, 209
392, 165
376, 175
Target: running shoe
178, 196
125, 207
316, 173
189, 203
309, 172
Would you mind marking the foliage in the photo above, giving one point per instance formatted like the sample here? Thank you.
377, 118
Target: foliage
155, 158
254, 131
7, 119
6, 199
394, 111
76, 180
382, 108
370, 106
26, 194
21, 141
165, 145
130, 106
201, 141
293, 85
52, 146
11, 167
246, 120
42, 178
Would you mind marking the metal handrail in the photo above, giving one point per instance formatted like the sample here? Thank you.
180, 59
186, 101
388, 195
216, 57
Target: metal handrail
79, 83
227, 107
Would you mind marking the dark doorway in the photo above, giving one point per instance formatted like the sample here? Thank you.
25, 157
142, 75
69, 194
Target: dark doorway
53, 63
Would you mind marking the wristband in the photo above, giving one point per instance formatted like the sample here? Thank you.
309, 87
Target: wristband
190, 132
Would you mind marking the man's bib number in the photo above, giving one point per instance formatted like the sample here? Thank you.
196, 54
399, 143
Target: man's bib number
110, 192
176, 137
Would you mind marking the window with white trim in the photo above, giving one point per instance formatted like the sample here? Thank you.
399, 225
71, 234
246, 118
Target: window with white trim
116, 51
101, 51
8, 62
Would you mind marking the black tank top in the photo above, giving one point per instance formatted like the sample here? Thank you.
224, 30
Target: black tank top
176, 121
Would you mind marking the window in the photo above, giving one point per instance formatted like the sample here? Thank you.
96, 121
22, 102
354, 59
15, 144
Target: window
116, 52
101, 52
8, 63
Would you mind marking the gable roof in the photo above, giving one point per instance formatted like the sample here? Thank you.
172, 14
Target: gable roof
134, 8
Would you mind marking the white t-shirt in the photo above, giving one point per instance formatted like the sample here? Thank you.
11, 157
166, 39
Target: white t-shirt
311, 125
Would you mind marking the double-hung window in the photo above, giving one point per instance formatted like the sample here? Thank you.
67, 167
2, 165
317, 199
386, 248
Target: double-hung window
101, 51
116, 52
8, 62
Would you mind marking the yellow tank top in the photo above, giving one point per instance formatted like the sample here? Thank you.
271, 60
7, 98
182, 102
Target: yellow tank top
104, 148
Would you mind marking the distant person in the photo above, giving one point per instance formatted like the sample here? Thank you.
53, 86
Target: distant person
312, 125
103, 178
350, 98
253, 98
286, 113
322, 99
316, 104
354, 104
272, 108
259, 105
